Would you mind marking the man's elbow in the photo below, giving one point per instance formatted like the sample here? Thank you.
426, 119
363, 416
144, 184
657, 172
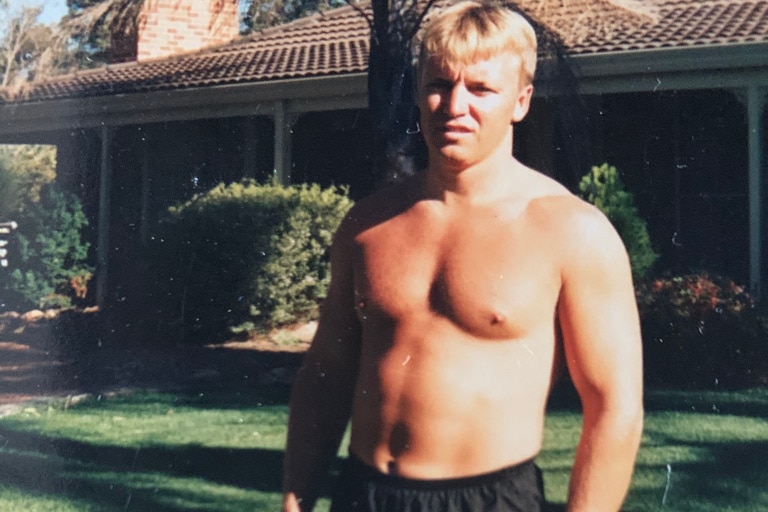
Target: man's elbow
623, 415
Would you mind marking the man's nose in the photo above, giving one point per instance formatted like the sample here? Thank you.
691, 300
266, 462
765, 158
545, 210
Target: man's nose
455, 103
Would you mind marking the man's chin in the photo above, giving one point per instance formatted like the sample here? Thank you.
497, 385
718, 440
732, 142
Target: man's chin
451, 149
453, 158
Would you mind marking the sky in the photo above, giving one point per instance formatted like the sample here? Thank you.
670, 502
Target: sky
53, 10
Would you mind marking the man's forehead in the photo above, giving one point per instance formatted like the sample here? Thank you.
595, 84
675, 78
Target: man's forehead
440, 64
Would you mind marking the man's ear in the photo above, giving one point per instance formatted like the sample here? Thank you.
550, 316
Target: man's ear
523, 103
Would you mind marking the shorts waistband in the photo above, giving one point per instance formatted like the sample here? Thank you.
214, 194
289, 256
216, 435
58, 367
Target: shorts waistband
372, 474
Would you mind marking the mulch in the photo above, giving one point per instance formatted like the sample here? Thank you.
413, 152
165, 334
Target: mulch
37, 365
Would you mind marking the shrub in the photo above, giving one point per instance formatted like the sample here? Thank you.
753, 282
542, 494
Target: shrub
33, 166
49, 256
701, 330
10, 193
246, 252
603, 188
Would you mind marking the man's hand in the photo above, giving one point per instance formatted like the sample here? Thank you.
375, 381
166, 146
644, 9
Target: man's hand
291, 503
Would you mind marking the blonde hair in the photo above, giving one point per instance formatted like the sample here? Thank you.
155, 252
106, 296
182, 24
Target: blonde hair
472, 30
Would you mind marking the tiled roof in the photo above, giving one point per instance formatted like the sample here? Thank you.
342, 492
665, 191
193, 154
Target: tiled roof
336, 42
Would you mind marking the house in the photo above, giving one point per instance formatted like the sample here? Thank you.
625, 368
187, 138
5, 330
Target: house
676, 100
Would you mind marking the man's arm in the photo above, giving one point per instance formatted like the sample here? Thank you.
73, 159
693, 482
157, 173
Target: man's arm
322, 393
603, 350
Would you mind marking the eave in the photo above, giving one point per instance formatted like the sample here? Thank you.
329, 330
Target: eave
732, 66
680, 68
296, 96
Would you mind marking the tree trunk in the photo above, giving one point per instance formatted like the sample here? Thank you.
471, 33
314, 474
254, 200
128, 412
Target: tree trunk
392, 87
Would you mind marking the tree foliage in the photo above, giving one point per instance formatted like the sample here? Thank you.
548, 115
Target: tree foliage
23, 41
95, 32
10, 189
261, 14
24, 171
49, 256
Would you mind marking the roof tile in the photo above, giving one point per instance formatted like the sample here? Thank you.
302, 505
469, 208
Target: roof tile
336, 42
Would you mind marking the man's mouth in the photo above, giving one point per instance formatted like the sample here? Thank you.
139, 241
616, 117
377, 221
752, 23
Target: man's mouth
454, 129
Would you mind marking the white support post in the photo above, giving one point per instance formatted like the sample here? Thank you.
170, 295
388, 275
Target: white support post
755, 108
250, 147
283, 142
146, 189
102, 245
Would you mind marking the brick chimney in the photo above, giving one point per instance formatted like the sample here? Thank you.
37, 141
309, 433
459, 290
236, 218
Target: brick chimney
170, 27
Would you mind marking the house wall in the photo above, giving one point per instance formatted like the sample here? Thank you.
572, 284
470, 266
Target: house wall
153, 167
684, 156
77, 170
333, 148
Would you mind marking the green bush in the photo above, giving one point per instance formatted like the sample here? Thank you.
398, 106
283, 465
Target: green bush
48, 256
603, 188
701, 330
10, 194
246, 252
33, 166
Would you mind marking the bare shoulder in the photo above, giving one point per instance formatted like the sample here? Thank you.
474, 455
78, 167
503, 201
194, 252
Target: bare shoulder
582, 232
385, 203
574, 217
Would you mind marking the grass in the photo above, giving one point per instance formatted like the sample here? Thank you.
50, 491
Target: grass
701, 451
207, 451
222, 451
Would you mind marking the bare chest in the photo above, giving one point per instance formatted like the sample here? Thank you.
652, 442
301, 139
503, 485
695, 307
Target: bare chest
492, 279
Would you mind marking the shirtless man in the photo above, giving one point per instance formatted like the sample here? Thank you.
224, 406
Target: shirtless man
453, 297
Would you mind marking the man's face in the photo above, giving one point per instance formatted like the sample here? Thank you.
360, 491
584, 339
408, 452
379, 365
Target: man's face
467, 111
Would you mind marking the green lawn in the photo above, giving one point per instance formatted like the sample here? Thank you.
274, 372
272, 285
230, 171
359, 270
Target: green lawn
222, 451
701, 452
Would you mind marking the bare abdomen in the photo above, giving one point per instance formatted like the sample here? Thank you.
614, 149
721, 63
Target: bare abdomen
452, 405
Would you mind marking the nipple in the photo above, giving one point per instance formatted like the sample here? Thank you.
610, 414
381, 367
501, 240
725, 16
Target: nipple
498, 318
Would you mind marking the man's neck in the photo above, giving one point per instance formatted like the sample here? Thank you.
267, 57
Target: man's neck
481, 183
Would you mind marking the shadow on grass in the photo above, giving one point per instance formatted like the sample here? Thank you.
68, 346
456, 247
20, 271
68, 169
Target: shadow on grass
113, 476
715, 444
735, 470
723, 476
752, 402
152, 478
732, 476
258, 469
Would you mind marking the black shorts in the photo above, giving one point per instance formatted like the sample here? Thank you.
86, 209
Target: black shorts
518, 488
